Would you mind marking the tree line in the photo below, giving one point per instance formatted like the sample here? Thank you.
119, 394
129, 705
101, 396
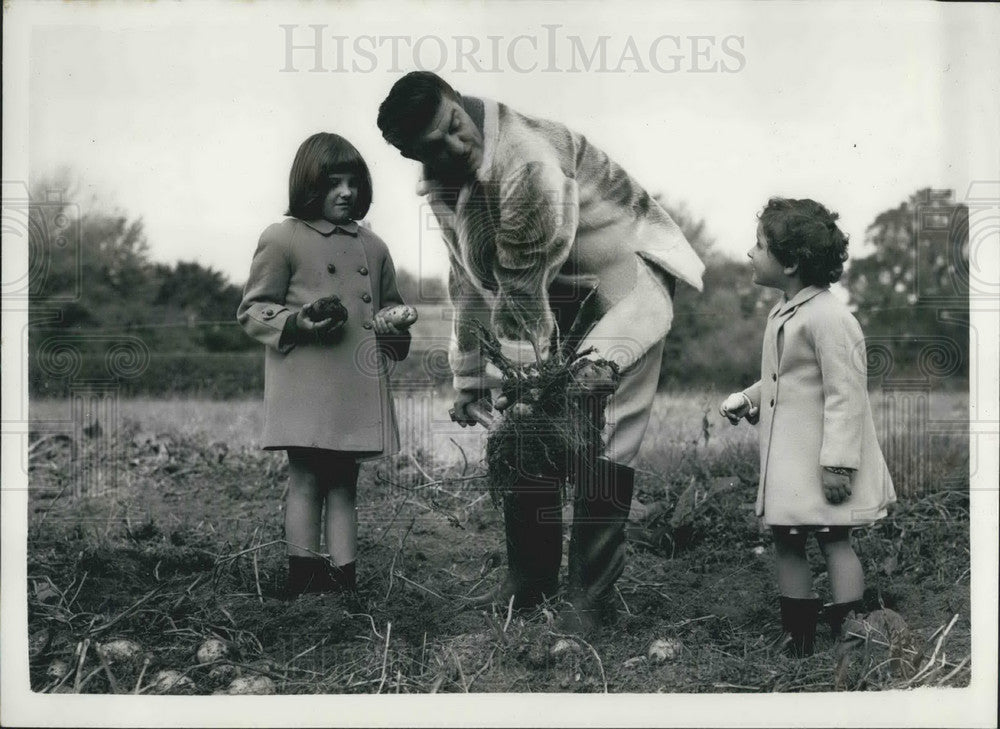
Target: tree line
102, 313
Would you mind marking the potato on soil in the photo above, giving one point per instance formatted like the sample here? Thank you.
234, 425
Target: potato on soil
120, 650
661, 650
564, 646
57, 669
246, 685
212, 650
171, 682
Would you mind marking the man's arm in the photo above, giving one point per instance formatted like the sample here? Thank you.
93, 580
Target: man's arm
470, 309
469, 374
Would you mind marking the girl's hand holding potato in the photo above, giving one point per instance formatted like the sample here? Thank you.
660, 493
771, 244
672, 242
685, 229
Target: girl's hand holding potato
316, 319
394, 319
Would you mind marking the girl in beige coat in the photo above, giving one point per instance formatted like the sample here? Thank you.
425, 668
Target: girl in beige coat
821, 468
326, 390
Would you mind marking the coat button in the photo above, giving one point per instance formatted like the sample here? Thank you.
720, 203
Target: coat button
774, 377
268, 313
366, 298
330, 267
772, 402
366, 325
363, 271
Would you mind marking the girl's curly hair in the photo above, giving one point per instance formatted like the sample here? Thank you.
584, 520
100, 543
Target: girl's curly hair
806, 233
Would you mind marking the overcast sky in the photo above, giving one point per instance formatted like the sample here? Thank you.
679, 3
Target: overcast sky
189, 116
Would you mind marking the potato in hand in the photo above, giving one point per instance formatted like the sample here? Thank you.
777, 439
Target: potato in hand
399, 316
329, 307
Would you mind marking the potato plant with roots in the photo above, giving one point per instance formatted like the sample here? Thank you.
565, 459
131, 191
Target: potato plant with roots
554, 414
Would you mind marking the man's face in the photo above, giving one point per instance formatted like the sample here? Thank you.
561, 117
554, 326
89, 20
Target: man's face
451, 146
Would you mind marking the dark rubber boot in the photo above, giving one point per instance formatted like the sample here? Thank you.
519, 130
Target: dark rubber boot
597, 547
798, 620
837, 612
306, 575
343, 578
533, 531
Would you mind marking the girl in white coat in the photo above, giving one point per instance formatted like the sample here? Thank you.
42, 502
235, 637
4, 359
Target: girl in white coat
821, 468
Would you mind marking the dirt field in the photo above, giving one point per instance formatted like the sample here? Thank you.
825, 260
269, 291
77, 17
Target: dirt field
163, 527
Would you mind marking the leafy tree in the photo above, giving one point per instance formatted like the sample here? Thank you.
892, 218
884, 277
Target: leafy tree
201, 299
911, 293
88, 269
93, 286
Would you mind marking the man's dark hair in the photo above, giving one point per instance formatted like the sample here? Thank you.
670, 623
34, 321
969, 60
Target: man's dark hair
320, 156
410, 106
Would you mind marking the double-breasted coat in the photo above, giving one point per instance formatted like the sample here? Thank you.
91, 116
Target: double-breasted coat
814, 412
331, 393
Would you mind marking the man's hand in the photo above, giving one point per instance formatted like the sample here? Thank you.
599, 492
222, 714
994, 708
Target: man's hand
836, 486
466, 397
595, 378
735, 406
521, 409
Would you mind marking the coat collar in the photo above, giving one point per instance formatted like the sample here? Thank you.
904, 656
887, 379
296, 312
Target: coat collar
786, 307
325, 227
491, 135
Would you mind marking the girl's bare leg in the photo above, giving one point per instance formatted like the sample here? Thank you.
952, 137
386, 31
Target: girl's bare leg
303, 506
341, 510
847, 578
794, 575
342, 522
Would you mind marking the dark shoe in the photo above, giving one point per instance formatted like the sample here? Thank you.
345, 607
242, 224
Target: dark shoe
798, 621
836, 613
533, 533
597, 548
306, 575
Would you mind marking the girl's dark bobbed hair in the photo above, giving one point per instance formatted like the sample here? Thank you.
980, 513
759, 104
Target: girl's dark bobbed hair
321, 155
804, 232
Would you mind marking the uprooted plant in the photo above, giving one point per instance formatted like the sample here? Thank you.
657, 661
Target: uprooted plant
554, 415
